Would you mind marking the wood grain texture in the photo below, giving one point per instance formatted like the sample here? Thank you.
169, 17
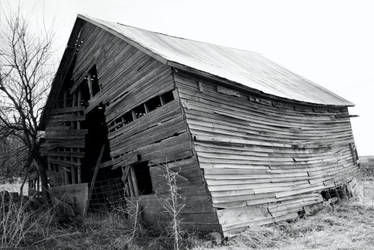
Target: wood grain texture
264, 160
128, 78
243, 157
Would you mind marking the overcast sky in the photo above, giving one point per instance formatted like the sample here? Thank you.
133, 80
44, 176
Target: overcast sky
328, 42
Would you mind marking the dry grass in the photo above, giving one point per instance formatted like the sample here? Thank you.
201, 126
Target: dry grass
108, 231
349, 225
20, 225
346, 226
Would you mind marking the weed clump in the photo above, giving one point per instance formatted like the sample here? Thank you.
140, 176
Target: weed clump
20, 225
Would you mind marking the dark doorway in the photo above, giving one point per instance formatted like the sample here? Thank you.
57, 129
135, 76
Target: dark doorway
143, 178
96, 137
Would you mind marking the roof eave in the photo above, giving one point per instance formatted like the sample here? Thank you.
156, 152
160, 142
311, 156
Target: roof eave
229, 82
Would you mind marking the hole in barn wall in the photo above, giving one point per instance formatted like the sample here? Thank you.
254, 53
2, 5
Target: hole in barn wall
339, 192
143, 178
325, 195
95, 83
85, 93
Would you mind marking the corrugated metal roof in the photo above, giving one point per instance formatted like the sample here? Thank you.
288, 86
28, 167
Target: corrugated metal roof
244, 67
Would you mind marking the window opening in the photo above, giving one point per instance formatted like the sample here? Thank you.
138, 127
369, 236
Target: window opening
127, 118
139, 111
167, 97
153, 103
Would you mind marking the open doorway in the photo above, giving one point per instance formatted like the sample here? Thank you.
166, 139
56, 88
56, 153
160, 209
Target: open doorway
137, 179
105, 186
96, 138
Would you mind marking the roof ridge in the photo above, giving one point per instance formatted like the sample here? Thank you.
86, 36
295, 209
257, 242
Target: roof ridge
168, 35
187, 39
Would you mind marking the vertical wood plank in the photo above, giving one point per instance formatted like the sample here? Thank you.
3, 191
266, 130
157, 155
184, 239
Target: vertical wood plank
97, 167
134, 182
89, 83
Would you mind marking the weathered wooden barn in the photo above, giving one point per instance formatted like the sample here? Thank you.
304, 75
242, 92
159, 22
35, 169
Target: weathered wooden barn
253, 143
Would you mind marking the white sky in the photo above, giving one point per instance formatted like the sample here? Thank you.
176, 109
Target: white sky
328, 42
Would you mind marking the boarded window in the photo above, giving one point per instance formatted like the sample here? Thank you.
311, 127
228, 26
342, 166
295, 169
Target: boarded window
227, 91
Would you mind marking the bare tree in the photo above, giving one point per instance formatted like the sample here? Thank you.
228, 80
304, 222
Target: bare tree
24, 82
12, 152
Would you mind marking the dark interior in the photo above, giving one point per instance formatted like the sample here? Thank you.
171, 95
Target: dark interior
96, 137
143, 178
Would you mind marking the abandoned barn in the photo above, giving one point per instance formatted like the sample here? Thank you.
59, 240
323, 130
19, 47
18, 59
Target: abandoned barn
252, 142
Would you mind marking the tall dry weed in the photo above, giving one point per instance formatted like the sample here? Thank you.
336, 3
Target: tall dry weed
173, 206
19, 225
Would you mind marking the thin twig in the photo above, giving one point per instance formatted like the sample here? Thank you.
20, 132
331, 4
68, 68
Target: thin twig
55, 237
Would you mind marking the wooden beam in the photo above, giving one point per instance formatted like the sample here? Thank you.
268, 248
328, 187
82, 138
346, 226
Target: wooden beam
73, 175
64, 99
79, 175
134, 182
106, 164
66, 181
125, 174
97, 167
89, 83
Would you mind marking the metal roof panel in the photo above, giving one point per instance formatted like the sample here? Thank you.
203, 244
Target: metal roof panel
244, 67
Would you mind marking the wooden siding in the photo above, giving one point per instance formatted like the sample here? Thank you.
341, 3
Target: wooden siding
242, 159
129, 78
264, 160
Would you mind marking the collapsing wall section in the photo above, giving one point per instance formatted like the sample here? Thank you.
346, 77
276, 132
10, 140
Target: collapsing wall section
146, 125
264, 159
